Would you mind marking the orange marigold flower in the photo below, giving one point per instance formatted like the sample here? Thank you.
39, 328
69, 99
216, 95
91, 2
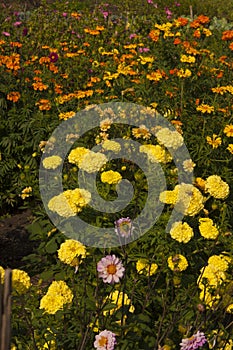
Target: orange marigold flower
181, 21
230, 148
228, 130
177, 41
197, 33
154, 34
15, 44
13, 96
58, 89
13, 62
227, 35
199, 20
53, 68
231, 46
39, 86
44, 60
44, 105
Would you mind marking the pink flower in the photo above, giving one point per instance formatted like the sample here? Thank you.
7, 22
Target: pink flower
150, 1
168, 12
194, 342
105, 340
64, 14
143, 49
132, 36
124, 227
17, 23
6, 33
110, 268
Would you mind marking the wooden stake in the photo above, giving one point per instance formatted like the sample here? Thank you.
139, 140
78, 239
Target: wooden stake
5, 316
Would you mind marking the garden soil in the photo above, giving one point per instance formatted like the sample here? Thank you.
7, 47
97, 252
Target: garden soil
14, 239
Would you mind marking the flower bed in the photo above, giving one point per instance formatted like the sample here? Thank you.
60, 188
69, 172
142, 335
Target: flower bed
92, 102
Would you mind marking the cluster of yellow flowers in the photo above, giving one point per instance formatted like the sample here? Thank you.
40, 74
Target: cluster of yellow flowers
76, 155
169, 138
51, 162
144, 267
156, 153
92, 161
70, 202
72, 252
211, 277
26, 192
20, 280
181, 232
190, 205
58, 295
208, 229
111, 177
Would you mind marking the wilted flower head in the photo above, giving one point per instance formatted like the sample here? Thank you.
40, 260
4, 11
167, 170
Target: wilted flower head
194, 342
110, 268
124, 227
105, 340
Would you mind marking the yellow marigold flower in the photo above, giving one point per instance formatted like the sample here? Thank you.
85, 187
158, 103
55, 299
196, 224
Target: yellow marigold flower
210, 277
207, 32
143, 266
2, 275
219, 262
219, 90
105, 124
52, 162
77, 154
70, 202
209, 299
184, 73
111, 177
155, 76
92, 162
208, 229
229, 308
116, 297
177, 263
141, 132
72, 252
58, 295
26, 192
168, 197
216, 187
20, 281
188, 165
181, 232
66, 115
203, 108
228, 130
215, 141
156, 153
169, 138
230, 148
187, 59
109, 145
13, 96
144, 60
200, 183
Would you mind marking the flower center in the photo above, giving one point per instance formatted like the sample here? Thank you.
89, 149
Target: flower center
103, 341
111, 269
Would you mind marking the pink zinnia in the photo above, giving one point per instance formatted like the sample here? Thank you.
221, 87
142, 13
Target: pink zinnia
105, 340
110, 268
194, 342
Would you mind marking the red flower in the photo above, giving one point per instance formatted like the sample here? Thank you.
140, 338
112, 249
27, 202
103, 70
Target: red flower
53, 57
